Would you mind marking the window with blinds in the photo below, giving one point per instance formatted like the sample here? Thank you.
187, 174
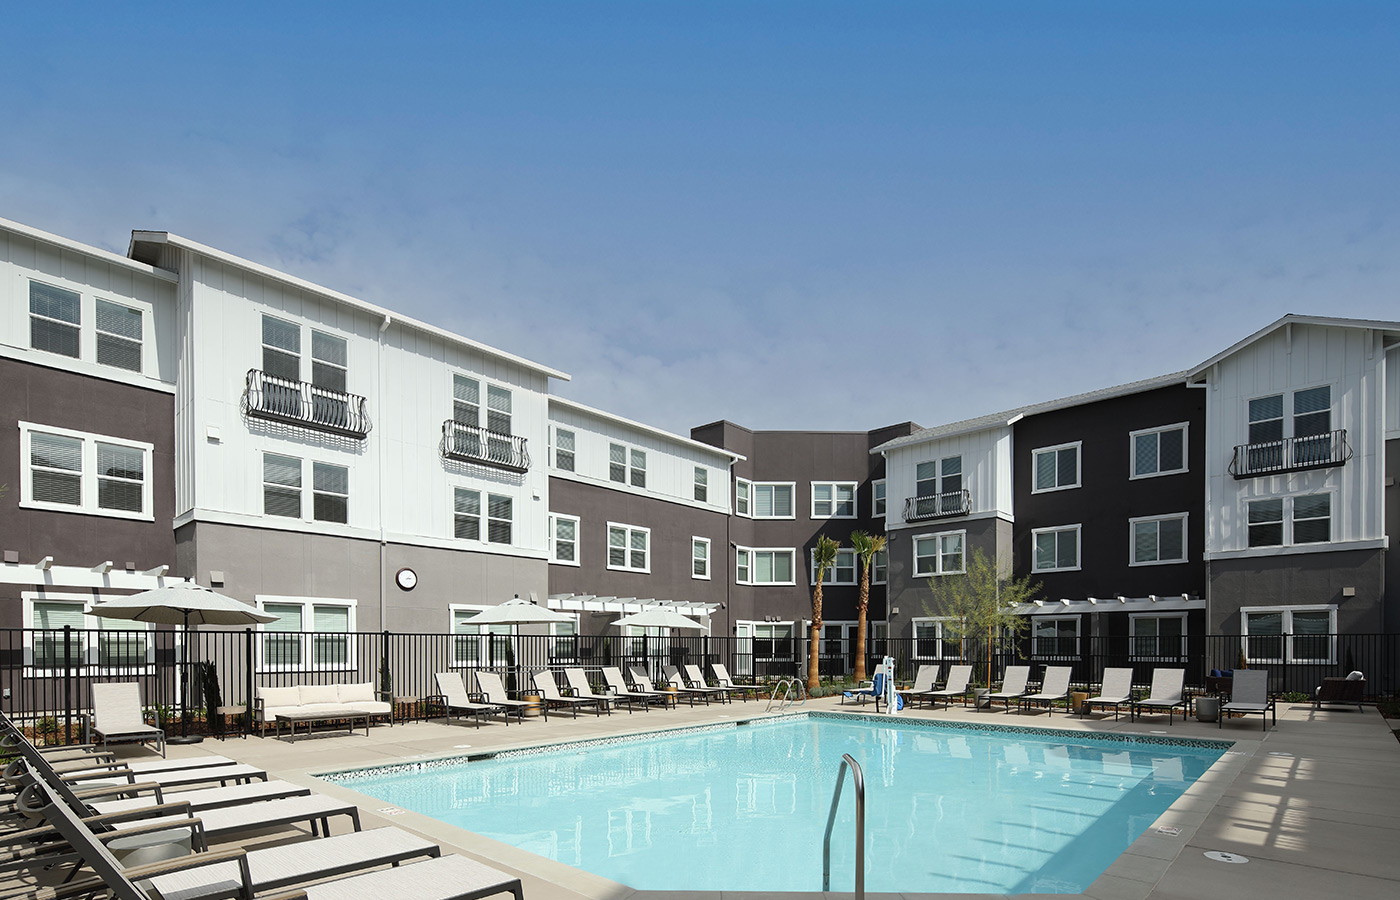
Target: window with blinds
702, 484
564, 450
500, 517
564, 531
331, 493
118, 336
50, 650
121, 477
466, 514
330, 645
773, 501
498, 424
308, 634
56, 467
617, 463
700, 557
329, 361
91, 474
629, 548
1056, 468
281, 485
281, 346
282, 638
54, 319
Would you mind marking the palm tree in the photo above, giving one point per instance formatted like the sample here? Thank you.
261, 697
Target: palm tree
866, 546
824, 558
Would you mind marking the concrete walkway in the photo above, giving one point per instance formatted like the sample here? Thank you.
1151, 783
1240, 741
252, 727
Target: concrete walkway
1313, 803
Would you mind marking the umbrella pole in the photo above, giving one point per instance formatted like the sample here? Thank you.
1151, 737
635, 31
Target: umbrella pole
185, 736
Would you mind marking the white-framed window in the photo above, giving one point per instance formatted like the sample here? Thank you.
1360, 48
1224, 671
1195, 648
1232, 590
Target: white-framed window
929, 642
494, 420
563, 643
55, 319
330, 486
627, 465
1290, 634
1055, 468
281, 486
629, 547
281, 348
772, 640
330, 361
1158, 637
940, 554
773, 500
877, 498
466, 514
742, 488
1055, 637
702, 484
1158, 451
309, 633
73, 471
836, 639
833, 499
500, 518
1290, 521
843, 571
1311, 429
563, 539
99, 646
765, 565
119, 335
564, 444
879, 566
475, 646
700, 558
283, 483
935, 477
1055, 549
1157, 540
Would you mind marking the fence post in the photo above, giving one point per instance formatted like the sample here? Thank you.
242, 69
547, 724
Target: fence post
386, 674
67, 684
249, 674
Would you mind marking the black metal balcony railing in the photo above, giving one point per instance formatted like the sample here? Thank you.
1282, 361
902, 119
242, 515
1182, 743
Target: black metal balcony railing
936, 506
307, 405
471, 443
1313, 451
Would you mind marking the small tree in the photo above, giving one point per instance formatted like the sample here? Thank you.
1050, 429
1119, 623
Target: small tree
866, 546
981, 602
824, 558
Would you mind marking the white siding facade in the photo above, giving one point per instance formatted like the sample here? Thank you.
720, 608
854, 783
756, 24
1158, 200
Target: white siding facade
986, 473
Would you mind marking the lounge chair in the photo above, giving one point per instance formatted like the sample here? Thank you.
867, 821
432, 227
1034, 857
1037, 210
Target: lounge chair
696, 677
925, 681
1013, 686
723, 679
643, 682
452, 695
1346, 691
549, 693
620, 688
1054, 687
578, 684
495, 693
180, 778
677, 681
117, 716
1117, 689
1166, 694
1249, 694
872, 688
956, 687
212, 798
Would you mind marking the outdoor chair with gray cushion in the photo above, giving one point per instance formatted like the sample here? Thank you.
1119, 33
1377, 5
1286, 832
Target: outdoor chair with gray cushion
495, 693
696, 677
117, 716
956, 686
925, 682
549, 693
1013, 686
723, 679
701, 690
621, 689
1167, 693
1054, 687
1248, 695
580, 688
643, 682
453, 698
1117, 689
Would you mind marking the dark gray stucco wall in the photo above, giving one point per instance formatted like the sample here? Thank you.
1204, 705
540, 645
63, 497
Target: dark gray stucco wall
1390, 606
1299, 579
910, 593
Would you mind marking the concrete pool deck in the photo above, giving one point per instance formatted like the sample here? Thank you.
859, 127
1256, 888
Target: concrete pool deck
1313, 803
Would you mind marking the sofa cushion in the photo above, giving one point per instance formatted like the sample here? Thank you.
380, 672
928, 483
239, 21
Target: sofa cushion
319, 693
1355, 676
376, 707
279, 696
355, 693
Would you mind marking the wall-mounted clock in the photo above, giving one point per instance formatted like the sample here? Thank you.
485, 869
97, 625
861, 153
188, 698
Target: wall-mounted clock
406, 579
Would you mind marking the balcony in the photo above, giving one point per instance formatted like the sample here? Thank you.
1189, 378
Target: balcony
473, 444
937, 506
1295, 454
305, 405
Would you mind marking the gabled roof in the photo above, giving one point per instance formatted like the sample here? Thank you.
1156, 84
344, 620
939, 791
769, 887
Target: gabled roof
106, 256
1011, 416
1291, 319
174, 240
556, 400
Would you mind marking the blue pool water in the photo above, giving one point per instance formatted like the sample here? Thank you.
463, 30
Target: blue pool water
744, 807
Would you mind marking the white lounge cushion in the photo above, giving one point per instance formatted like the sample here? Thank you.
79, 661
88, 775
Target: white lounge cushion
319, 693
279, 696
355, 693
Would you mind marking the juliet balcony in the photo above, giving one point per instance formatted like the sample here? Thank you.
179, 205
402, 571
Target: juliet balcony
473, 444
305, 405
1295, 454
937, 506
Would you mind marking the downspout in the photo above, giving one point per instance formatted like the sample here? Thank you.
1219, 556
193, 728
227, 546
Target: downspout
383, 544
1206, 385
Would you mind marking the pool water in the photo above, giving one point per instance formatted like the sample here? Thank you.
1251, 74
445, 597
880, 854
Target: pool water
948, 809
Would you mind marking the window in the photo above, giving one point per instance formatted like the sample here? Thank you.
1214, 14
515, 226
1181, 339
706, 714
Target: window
281, 485
700, 558
1298, 634
466, 514
1265, 522
499, 519
1312, 519
70, 471
1308, 516
773, 501
939, 554
702, 484
1056, 468
629, 548
938, 486
329, 360
842, 572
1312, 427
563, 642
772, 641
1159, 451
1056, 549
639, 468
330, 487
619, 458
563, 450
1055, 637
757, 566
54, 319
309, 633
563, 532
498, 423
118, 336
879, 567
281, 346
741, 497
478, 645
114, 646
833, 500
1159, 539
877, 498
1158, 637
929, 641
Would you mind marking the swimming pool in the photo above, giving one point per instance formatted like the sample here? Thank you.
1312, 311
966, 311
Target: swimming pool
949, 808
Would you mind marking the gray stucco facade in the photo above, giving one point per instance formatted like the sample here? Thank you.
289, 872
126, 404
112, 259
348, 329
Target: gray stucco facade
1303, 579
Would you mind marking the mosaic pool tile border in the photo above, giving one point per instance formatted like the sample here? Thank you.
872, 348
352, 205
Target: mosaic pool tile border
348, 776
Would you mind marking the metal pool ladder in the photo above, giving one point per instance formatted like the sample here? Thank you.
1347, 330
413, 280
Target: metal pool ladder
782, 694
858, 778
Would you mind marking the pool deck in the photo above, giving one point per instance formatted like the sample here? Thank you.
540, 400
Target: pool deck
1313, 803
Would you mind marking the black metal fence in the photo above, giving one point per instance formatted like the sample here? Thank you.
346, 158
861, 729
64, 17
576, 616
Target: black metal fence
46, 675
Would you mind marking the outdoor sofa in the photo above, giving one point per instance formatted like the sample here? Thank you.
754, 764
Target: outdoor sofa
301, 699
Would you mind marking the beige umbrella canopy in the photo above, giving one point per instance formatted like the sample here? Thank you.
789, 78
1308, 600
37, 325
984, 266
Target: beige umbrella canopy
659, 617
519, 612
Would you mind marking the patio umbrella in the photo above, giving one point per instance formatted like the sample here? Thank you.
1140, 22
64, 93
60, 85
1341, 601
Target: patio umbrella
519, 612
182, 603
659, 617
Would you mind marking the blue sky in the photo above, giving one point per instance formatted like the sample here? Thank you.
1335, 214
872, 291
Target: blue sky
792, 215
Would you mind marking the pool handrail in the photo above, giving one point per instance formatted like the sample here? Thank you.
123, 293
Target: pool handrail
858, 779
